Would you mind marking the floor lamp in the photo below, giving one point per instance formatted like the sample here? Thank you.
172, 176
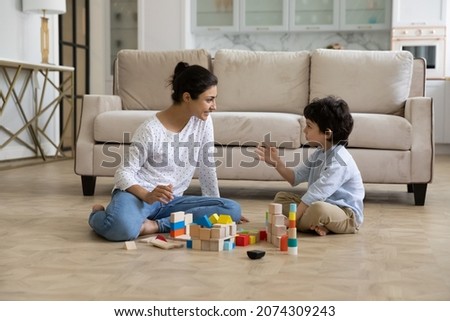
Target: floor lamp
44, 7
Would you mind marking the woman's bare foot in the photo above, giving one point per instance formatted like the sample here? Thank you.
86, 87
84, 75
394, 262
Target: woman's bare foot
243, 220
149, 227
320, 230
97, 208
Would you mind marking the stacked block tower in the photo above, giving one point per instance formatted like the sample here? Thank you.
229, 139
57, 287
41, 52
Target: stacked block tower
275, 226
292, 230
214, 233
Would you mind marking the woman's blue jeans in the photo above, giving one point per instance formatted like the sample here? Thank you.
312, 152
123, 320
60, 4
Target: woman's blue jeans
123, 217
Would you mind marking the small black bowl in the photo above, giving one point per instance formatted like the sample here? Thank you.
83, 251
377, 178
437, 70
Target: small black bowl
255, 254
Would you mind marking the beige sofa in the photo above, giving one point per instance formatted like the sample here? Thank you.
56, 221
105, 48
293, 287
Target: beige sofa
261, 96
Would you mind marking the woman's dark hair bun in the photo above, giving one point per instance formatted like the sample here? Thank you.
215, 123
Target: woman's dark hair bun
179, 68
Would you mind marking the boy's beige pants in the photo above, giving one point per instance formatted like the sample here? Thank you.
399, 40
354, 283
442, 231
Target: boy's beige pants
334, 218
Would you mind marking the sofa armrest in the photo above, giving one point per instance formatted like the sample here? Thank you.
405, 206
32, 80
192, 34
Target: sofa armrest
419, 112
93, 105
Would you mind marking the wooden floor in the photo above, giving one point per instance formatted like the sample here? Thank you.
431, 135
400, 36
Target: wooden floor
48, 252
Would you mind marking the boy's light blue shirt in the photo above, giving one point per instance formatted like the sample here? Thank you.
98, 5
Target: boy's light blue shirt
333, 177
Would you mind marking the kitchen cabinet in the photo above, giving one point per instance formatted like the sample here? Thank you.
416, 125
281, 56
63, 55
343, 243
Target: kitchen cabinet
419, 13
365, 14
313, 15
264, 15
289, 15
214, 16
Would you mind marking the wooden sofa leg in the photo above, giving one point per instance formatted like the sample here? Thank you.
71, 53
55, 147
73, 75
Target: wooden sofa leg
420, 191
410, 188
88, 185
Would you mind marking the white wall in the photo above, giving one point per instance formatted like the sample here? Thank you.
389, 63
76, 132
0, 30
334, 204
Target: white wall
20, 41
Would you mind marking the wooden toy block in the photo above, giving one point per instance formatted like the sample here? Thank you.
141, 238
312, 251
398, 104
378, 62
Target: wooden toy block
256, 235
197, 244
226, 228
161, 237
177, 216
252, 239
189, 244
218, 232
194, 231
214, 218
275, 208
183, 237
225, 219
130, 245
176, 233
233, 229
278, 219
292, 242
279, 230
292, 216
269, 237
242, 240
205, 245
188, 218
177, 225
204, 221
263, 235
216, 245
292, 224
166, 245
147, 239
292, 233
205, 234
284, 243
187, 229
293, 250
276, 240
228, 245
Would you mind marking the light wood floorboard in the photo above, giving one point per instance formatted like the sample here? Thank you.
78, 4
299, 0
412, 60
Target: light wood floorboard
48, 251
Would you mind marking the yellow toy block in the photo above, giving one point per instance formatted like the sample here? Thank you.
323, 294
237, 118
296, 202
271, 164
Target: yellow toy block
252, 239
214, 218
225, 219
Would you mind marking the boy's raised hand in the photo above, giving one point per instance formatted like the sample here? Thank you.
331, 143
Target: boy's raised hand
268, 154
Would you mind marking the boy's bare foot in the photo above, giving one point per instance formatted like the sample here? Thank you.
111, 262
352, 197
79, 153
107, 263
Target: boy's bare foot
149, 227
97, 208
320, 230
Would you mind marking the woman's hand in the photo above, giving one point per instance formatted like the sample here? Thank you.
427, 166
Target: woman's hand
161, 193
268, 154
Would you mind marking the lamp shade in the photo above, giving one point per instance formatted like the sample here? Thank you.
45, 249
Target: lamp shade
47, 6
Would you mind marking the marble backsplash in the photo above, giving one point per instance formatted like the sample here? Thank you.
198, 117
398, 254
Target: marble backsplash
373, 40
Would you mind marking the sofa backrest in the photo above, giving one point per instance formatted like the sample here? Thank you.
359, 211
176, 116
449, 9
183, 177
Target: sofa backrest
262, 81
141, 78
369, 81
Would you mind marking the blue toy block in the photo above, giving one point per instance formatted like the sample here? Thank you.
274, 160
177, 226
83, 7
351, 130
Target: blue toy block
204, 221
177, 225
189, 244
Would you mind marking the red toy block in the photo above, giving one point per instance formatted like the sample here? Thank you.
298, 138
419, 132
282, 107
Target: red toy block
161, 237
263, 235
242, 240
284, 243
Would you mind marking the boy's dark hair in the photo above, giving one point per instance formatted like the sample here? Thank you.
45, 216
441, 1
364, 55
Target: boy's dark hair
331, 113
193, 79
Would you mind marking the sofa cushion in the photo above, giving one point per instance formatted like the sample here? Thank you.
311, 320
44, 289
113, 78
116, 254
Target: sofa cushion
374, 131
370, 81
252, 128
262, 81
119, 126
142, 77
